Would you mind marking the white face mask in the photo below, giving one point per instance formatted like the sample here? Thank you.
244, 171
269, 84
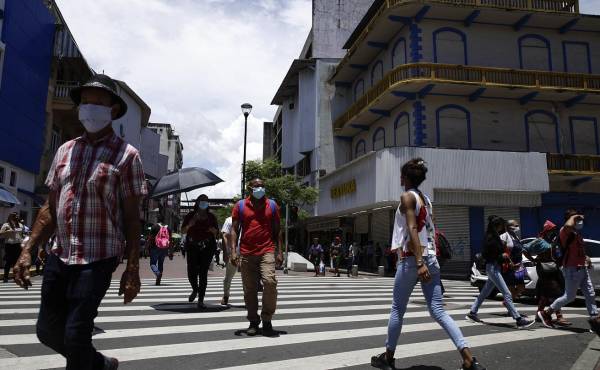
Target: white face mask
94, 117
579, 225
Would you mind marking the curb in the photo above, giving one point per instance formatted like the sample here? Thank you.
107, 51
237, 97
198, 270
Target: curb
590, 358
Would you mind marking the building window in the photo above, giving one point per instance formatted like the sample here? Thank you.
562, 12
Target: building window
450, 46
55, 140
13, 179
359, 89
402, 130
453, 127
584, 135
1, 175
399, 53
376, 72
303, 167
535, 53
361, 149
379, 139
576, 56
541, 131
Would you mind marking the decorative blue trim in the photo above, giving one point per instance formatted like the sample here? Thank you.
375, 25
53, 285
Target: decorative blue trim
397, 18
548, 114
462, 35
343, 84
578, 99
527, 98
418, 121
359, 126
457, 107
538, 37
565, 59
378, 45
421, 13
345, 138
364, 148
405, 94
476, 94
395, 48
359, 82
377, 63
375, 135
582, 118
381, 112
504, 98
568, 26
426, 90
471, 18
522, 22
362, 67
402, 114
415, 43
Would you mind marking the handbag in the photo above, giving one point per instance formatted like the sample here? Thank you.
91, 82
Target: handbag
521, 274
548, 267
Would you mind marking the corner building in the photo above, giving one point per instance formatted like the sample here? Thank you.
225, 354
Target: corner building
499, 97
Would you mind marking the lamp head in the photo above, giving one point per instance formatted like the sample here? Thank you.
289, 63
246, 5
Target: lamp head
246, 109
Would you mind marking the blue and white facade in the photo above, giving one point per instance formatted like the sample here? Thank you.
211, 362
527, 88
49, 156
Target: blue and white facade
501, 99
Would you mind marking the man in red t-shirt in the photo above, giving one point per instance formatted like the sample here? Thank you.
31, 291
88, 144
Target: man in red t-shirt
575, 271
261, 235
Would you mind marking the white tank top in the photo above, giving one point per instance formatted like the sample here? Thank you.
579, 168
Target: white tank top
401, 236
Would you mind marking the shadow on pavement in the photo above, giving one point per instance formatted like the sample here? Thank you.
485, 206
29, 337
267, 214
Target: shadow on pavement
276, 333
188, 308
420, 367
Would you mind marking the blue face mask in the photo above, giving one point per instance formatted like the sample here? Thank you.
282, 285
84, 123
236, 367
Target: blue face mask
258, 192
203, 205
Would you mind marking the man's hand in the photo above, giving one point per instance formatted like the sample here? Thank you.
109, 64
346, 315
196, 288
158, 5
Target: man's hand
21, 269
234, 259
423, 274
130, 284
42, 255
279, 258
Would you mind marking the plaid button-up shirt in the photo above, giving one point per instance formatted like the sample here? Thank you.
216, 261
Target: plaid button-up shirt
91, 180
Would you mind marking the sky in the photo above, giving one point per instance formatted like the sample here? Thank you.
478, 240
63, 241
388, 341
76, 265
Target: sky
194, 62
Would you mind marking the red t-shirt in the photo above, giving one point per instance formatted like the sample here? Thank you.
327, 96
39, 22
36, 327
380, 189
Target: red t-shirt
257, 227
575, 252
200, 230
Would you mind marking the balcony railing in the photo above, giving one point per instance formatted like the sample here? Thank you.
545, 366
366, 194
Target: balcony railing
481, 76
63, 88
552, 6
583, 164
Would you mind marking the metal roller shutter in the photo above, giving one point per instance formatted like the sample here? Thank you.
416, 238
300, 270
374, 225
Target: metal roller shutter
361, 224
453, 221
380, 227
507, 213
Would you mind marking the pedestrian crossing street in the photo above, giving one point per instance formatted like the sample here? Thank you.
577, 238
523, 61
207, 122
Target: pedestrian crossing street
328, 322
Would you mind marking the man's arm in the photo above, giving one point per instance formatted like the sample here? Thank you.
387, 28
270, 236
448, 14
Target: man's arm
233, 237
42, 230
130, 282
408, 205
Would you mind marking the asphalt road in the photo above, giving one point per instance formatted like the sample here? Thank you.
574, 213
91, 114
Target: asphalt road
328, 322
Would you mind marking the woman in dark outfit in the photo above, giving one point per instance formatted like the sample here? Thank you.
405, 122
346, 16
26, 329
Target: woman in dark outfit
201, 228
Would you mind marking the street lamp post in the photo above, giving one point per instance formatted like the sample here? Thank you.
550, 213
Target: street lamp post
246, 109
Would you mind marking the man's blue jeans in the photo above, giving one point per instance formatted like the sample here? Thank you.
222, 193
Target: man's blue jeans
494, 274
157, 258
405, 281
574, 279
70, 299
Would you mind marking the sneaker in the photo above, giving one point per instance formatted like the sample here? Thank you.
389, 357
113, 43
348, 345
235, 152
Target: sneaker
595, 324
110, 363
475, 365
158, 278
201, 305
192, 296
524, 323
224, 300
267, 329
562, 322
545, 318
472, 317
253, 328
381, 362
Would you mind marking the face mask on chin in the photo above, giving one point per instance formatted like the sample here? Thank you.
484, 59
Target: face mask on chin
94, 117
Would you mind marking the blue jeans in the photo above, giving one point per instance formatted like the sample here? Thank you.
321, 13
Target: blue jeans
70, 299
157, 258
494, 274
577, 279
406, 278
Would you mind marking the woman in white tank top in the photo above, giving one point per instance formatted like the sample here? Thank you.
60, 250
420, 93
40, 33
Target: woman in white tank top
413, 239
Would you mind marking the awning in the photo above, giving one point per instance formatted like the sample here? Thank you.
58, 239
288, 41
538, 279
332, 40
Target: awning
8, 199
37, 200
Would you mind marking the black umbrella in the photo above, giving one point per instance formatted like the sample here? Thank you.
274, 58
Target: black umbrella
184, 180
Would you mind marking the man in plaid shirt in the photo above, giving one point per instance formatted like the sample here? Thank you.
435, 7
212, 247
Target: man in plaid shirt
95, 182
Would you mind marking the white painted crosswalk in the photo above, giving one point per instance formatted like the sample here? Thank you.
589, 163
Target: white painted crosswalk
328, 322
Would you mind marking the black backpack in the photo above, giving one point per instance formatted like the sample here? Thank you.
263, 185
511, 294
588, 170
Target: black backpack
444, 247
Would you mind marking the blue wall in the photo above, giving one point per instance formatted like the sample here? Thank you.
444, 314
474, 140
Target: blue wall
28, 32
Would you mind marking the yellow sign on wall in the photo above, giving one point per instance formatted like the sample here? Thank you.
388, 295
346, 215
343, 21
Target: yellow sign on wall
346, 188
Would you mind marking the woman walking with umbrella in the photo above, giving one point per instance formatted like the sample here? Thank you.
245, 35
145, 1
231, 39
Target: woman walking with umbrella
201, 228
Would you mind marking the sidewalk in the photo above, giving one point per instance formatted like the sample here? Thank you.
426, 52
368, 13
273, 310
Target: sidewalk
590, 358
